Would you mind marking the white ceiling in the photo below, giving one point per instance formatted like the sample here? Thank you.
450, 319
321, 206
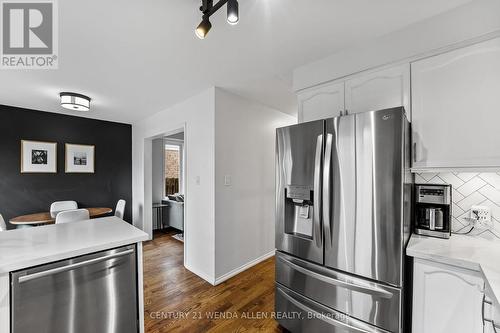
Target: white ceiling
135, 58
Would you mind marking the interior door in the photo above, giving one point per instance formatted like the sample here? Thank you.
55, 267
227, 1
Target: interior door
299, 155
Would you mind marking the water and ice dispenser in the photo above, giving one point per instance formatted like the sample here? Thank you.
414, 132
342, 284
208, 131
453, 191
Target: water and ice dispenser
299, 211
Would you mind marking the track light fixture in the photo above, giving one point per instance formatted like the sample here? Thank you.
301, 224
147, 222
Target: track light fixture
203, 28
208, 9
232, 12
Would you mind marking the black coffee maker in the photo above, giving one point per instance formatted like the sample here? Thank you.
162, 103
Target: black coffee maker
433, 210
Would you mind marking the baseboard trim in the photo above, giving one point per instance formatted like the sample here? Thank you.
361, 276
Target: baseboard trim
244, 267
202, 275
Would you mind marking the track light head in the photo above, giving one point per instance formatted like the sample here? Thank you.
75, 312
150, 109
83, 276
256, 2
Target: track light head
208, 8
233, 15
203, 28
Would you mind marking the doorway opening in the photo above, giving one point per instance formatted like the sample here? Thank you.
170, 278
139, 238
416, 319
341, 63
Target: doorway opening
168, 185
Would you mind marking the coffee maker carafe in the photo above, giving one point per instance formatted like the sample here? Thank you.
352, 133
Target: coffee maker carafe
433, 210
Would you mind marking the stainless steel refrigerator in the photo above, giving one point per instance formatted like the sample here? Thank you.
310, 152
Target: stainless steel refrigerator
343, 201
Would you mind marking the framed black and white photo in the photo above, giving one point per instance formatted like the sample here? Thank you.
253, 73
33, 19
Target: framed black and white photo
38, 157
79, 158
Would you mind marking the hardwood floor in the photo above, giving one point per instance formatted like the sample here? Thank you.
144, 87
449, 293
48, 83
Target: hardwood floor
177, 300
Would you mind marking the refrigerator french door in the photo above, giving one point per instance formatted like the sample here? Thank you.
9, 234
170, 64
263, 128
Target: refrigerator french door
363, 184
299, 158
365, 188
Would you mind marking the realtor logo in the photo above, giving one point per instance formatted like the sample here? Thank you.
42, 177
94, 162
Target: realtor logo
29, 34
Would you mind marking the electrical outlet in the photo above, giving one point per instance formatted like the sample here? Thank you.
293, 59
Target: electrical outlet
482, 214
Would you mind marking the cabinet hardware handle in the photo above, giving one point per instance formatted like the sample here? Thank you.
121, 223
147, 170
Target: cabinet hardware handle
482, 307
414, 152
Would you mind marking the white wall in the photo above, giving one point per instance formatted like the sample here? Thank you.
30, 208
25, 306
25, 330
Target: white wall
158, 167
227, 228
244, 212
477, 18
197, 116
486, 192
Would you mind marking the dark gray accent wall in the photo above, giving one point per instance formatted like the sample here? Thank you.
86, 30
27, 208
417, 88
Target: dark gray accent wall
30, 193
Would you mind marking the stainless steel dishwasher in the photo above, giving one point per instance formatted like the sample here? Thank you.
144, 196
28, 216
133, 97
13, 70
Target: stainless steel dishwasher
95, 293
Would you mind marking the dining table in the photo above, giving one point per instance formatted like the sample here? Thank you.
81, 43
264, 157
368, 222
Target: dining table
46, 217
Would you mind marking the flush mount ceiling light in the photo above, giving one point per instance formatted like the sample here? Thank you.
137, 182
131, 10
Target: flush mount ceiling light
208, 9
74, 101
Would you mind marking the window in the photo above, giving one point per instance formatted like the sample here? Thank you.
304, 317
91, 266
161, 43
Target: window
173, 168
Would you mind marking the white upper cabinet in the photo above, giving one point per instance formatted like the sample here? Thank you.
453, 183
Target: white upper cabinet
456, 108
379, 90
446, 299
321, 102
367, 91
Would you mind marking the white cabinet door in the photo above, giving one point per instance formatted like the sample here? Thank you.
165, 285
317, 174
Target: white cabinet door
322, 102
446, 299
455, 108
379, 90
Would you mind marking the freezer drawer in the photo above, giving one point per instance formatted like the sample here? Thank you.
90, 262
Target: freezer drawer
87, 294
377, 304
299, 314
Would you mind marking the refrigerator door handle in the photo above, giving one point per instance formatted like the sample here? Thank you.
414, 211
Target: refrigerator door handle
329, 318
348, 285
326, 184
317, 191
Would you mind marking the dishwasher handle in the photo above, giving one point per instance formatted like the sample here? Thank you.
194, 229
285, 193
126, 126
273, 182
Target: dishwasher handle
66, 268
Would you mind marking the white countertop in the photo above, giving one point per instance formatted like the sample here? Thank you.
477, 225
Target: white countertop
22, 248
463, 251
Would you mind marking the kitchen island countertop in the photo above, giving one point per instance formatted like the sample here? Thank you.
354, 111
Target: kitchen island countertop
29, 247
23, 248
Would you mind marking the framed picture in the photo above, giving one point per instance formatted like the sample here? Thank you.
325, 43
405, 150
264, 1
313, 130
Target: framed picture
38, 157
79, 158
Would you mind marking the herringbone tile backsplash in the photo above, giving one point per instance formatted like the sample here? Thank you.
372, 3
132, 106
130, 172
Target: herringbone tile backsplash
469, 189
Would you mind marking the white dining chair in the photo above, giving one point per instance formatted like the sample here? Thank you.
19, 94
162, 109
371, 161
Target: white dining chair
120, 208
3, 226
74, 215
60, 206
